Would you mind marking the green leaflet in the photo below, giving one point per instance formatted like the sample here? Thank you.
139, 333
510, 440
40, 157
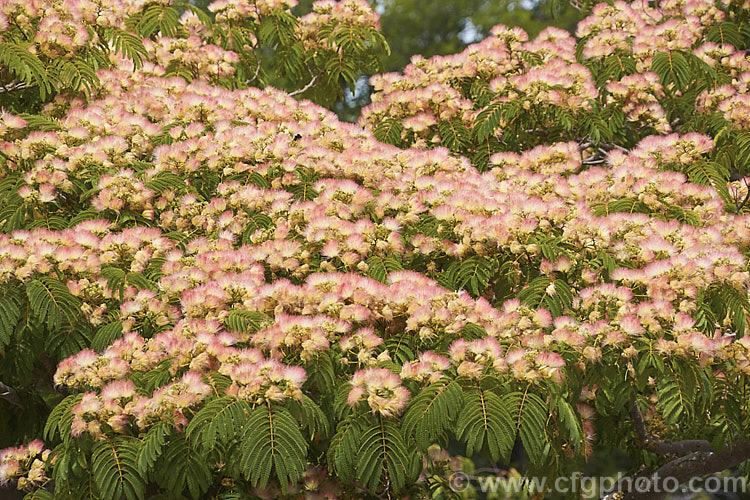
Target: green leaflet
676, 391
83, 215
432, 411
399, 351
472, 274
389, 131
483, 151
246, 321
118, 280
455, 135
52, 303
555, 295
10, 314
342, 452
383, 457
67, 341
39, 495
614, 67
183, 469
727, 32
672, 67
15, 213
256, 221
488, 120
25, 66
75, 74
486, 420
727, 414
530, 414
115, 471
304, 191
625, 205
165, 181
706, 320
105, 335
380, 267
60, 419
128, 44
720, 301
220, 420
277, 28
685, 216
272, 441
472, 331
310, 416
40, 122
569, 421
151, 447
156, 18
321, 373
202, 15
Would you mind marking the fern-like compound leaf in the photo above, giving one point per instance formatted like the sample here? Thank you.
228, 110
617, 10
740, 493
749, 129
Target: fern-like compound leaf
672, 67
389, 131
485, 421
60, 419
220, 420
380, 267
530, 414
488, 120
342, 452
311, 416
246, 321
114, 469
151, 447
10, 313
383, 457
105, 335
27, 67
182, 467
570, 422
431, 412
52, 302
272, 441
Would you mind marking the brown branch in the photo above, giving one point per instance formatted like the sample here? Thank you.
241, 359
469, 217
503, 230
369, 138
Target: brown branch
664, 447
747, 198
10, 395
683, 469
699, 461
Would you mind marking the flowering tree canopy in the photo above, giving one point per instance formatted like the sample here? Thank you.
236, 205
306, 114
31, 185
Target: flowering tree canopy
212, 289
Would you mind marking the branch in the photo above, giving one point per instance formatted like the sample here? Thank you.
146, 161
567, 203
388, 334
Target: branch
664, 447
676, 124
306, 87
609, 146
683, 469
747, 198
15, 85
593, 160
257, 68
602, 148
700, 460
10, 395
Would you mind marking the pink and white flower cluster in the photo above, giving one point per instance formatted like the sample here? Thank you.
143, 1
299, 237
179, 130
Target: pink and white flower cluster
25, 466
